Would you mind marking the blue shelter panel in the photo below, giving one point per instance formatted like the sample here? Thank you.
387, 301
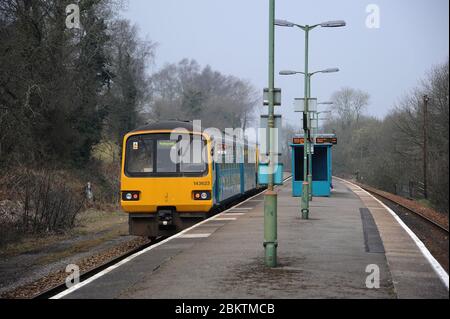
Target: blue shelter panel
320, 163
322, 174
297, 167
298, 163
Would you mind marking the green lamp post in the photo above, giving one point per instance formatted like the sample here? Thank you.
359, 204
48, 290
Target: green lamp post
307, 184
270, 199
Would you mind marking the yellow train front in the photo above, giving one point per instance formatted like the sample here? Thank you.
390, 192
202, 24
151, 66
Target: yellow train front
163, 193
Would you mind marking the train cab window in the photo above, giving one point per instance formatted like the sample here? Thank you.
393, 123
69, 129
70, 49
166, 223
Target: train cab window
140, 155
164, 162
157, 155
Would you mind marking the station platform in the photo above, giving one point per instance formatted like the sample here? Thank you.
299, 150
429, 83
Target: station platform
324, 257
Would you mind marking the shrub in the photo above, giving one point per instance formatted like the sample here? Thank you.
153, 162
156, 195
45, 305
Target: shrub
40, 202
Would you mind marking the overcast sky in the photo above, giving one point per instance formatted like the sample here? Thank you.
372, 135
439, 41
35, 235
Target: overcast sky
232, 37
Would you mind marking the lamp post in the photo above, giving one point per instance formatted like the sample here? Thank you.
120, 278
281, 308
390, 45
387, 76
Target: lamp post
306, 119
323, 112
270, 199
310, 155
307, 168
319, 119
329, 112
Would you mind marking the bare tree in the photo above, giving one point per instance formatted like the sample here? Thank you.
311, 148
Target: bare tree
128, 88
186, 91
349, 104
388, 153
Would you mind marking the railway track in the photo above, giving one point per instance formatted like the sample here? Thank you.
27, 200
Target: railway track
391, 198
55, 290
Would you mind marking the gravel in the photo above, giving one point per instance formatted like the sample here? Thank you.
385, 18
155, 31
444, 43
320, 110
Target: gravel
437, 217
56, 277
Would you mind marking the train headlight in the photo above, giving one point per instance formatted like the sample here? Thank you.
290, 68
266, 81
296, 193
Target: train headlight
130, 196
201, 195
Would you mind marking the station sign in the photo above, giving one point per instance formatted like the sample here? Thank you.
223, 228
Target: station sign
326, 140
318, 140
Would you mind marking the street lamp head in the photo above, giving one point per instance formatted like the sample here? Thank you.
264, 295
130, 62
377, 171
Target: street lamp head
330, 70
333, 24
288, 72
326, 103
284, 23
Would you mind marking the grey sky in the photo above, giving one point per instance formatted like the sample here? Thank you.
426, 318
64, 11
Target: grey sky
232, 37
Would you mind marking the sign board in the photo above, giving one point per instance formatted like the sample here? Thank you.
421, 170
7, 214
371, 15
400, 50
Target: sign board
264, 135
299, 105
326, 140
318, 139
277, 97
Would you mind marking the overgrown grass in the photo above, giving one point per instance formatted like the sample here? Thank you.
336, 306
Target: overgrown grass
99, 226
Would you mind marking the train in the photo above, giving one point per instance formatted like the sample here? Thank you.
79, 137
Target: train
163, 193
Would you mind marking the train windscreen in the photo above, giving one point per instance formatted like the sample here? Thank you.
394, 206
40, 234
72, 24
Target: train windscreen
159, 155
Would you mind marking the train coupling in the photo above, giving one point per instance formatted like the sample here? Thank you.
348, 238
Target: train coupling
165, 217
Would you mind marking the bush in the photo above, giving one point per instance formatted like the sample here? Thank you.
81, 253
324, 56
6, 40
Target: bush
39, 202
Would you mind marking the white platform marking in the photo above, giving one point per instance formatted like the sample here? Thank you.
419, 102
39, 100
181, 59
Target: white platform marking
195, 236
